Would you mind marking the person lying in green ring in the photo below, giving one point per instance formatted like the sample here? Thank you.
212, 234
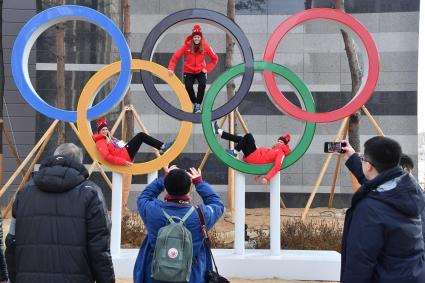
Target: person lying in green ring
258, 155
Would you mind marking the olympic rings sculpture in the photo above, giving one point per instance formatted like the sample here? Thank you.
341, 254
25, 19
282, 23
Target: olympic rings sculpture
85, 112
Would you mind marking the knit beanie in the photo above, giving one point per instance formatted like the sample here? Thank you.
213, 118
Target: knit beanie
196, 30
285, 138
101, 123
177, 182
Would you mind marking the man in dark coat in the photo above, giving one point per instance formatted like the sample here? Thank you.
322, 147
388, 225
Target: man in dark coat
60, 229
406, 162
382, 239
3, 269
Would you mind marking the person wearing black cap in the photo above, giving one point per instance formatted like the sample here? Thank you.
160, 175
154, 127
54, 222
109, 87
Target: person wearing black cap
195, 50
258, 155
177, 202
406, 162
383, 236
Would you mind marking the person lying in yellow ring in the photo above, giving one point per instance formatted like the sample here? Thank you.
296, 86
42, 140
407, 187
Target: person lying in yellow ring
117, 151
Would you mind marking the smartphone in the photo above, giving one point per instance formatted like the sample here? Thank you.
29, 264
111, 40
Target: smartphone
334, 147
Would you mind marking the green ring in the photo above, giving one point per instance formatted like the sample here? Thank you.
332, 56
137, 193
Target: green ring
214, 90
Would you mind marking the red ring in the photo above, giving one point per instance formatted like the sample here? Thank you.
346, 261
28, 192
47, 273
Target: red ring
364, 93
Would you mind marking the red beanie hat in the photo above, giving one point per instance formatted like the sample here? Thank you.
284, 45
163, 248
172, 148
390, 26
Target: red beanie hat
101, 123
285, 138
196, 30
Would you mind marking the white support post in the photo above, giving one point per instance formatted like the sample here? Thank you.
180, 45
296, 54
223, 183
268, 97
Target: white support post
239, 213
116, 214
152, 176
275, 215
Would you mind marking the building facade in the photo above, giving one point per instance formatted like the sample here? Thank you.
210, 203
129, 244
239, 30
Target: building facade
315, 51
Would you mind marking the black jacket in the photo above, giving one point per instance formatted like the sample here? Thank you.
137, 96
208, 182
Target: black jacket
3, 270
383, 238
62, 229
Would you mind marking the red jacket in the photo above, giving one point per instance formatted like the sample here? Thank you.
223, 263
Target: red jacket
263, 155
111, 153
194, 62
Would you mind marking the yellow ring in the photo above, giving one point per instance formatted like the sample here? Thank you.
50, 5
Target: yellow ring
91, 89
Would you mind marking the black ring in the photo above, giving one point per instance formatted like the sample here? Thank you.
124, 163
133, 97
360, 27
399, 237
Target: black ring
206, 16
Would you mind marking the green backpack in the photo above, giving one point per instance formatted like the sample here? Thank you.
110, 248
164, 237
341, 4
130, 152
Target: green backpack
172, 258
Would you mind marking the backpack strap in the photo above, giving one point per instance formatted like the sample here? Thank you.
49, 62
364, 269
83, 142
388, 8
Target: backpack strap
204, 230
183, 219
169, 218
186, 216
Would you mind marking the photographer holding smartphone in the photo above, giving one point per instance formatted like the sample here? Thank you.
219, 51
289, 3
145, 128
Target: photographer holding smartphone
383, 238
156, 261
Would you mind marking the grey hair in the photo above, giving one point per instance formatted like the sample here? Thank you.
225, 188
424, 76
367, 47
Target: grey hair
71, 151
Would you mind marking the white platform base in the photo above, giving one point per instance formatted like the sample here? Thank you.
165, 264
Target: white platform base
259, 264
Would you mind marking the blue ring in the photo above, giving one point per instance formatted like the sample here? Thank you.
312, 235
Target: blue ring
38, 24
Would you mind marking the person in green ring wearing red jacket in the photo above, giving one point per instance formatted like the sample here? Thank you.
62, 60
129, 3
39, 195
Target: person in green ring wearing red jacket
258, 155
195, 49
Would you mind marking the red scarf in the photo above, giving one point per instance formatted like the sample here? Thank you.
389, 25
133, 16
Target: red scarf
183, 199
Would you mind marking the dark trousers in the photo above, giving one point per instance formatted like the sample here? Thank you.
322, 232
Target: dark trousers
246, 144
134, 144
189, 80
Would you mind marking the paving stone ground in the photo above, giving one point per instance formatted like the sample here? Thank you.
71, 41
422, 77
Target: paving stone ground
254, 217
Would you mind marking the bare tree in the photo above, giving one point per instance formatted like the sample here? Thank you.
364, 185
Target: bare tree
230, 92
307, 4
60, 74
128, 130
355, 71
129, 119
113, 10
252, 5
230, 44
1, 90
356, 79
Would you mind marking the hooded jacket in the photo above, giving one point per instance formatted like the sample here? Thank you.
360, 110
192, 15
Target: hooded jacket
263, 155
383, 238
110, 152
150, 209
194, 62
62, 228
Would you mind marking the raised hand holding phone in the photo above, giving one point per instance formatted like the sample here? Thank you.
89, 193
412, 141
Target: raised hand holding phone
348, 150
